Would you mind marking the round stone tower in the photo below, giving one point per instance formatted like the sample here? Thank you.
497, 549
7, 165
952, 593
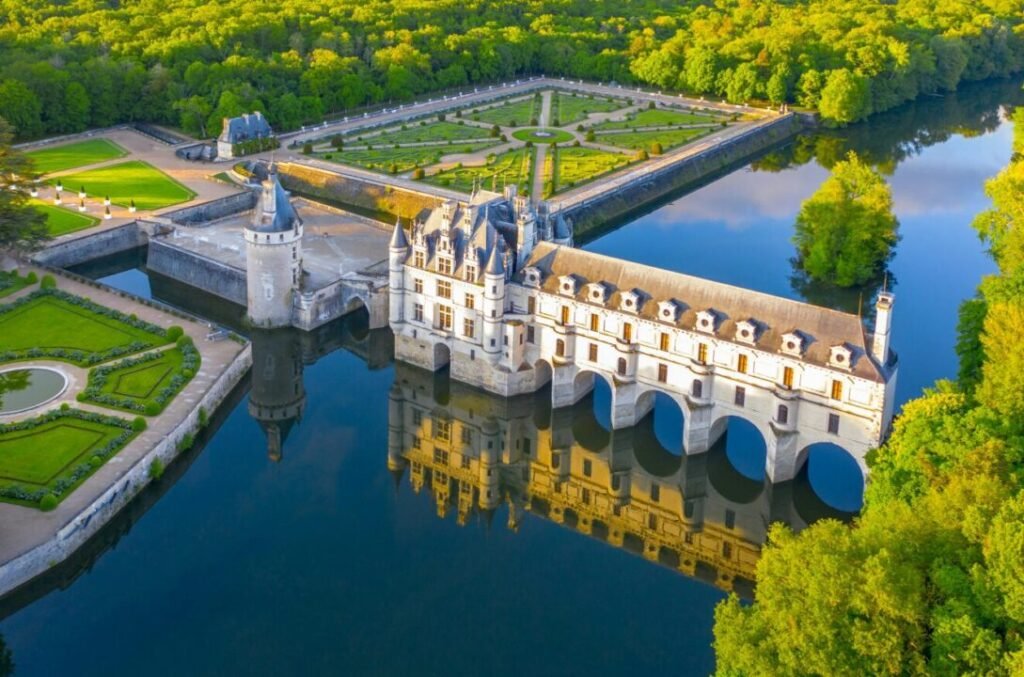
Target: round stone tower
494, 303
278, 396
273, 254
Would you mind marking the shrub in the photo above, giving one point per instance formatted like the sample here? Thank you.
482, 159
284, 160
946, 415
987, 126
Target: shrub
533, 121
495, 131
138, 424
440, 117
48, 502
529, 144
642, 155
152, 409
156, 469
31, 278
458, 113
650, 105
48, 282
65, 406
337, 142
81, 396
95, 461
579, 128
183, 341
591, 136
329, 156
418, 173
204, 418
656, 148
186, 442
576, 143
307, 148
174, 332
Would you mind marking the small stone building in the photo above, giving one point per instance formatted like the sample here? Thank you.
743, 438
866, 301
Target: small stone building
238, 131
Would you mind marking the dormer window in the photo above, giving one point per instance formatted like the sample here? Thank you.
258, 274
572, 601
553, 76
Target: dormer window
631, 301
746, 332
567, 285
668, 311
420, 259
444, 265
792, 344
531, 277
471, 272
840, 357
597, 292
706, 321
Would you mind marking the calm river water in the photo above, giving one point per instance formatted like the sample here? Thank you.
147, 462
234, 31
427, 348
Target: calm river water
297, 544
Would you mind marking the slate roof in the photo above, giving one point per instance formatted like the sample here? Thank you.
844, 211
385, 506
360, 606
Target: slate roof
821, 328
274, 211
244, 127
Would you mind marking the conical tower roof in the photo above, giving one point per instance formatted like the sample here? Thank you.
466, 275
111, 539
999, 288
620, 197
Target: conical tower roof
495, 264
274, 212
398, 238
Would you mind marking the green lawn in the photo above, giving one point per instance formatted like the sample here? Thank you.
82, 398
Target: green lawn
537, 135
79, 154
570, 108
51, 324
11, 282
54, 456
404, 159
658, 117
143, 384
512, 114
415, 133
62, 221
132, 180
644, 140
575, 165
511, 167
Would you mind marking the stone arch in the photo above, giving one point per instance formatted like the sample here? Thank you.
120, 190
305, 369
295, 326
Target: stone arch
665, 413
442, 355
542, 373
355, 302
743, 442
592, 414
835, 474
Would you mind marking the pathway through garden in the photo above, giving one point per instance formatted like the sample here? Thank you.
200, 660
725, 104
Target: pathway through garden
537, 192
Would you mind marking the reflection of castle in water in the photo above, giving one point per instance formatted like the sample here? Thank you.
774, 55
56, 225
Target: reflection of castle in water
277, 398
475, 451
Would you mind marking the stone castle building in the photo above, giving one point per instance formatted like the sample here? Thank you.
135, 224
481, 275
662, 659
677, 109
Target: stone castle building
510, 308
248, 127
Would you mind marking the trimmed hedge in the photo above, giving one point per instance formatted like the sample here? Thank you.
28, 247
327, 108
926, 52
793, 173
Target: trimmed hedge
151, 406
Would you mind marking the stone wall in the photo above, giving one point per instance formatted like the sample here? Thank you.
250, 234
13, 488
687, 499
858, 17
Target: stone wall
214, 209
90, 520
313, 309
345, 190
84, 248
197, 271
591, 217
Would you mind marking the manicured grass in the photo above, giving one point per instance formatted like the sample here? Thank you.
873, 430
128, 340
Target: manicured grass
570, 108
12, 282
644, 140
144, 384
61, 221
403, 159
48, 324
54, 453
512, 114
511, 167
133, 180
537, 135
71, 155
574, 165
416, 133
658, 117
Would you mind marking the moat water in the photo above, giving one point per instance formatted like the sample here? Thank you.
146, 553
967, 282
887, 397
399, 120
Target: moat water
316, 558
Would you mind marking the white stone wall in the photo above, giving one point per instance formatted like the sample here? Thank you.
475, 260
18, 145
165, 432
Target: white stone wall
273, 265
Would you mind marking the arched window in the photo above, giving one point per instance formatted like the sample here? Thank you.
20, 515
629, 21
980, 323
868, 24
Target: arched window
782, 415
697, 389
560, 348
622, 366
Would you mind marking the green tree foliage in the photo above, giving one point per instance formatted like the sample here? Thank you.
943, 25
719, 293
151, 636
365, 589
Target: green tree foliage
22, 228
846, 230
928, 580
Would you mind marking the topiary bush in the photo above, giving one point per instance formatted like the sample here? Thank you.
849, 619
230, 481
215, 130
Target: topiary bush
174, 332
48, 282
48, 502
138, 424
32, 278
152, 409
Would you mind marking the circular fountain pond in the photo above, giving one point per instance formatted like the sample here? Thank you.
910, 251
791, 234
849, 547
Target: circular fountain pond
25, 388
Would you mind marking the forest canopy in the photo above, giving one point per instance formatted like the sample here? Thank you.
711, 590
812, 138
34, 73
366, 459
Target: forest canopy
65, 67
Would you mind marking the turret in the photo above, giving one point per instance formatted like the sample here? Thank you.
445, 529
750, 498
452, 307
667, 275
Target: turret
398, 252
883, 327
494, 301
273, 256
488, 479
526, 231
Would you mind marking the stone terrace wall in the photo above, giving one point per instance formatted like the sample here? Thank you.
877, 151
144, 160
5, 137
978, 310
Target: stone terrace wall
196, 270
346, 190
214, 209
84, 248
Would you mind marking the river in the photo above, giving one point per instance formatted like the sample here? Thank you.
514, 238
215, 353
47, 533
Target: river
296, 544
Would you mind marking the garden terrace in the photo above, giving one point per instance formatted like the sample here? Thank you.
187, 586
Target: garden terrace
651, 140
517, 113
52, 323
659, 117
571, 108
144, 384
575, 165
391, 160
419, 133
52, 454
73, 155
514, 167
134, 180
61, 220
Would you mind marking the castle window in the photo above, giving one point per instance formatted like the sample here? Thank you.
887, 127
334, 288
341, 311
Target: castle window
419, 259
440, 457
740, 399
530, 336
444, 265
663, 373
444, 317
787, 377
655, 492
442, 430
727, 550
470, 273
417, 417
730, 519
702, 353
295, 254
531, 305
417, 312
280, 238
622, 366
833, 424
837, 390
587, 467
470, 301
592, 356
782, 415
560, 348
741, 364
417, 286
663, 341
652, 521
627, 332
595, 322
697, 389
565, 315
468, 328
444, 289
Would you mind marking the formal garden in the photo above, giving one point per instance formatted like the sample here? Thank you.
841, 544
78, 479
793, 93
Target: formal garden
61, 220
72, 155
126, 183
136, 367
514, 167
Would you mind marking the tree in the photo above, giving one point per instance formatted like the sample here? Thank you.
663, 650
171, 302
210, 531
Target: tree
845, 98
22, 228
845, 232
21, 108
1002, 384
